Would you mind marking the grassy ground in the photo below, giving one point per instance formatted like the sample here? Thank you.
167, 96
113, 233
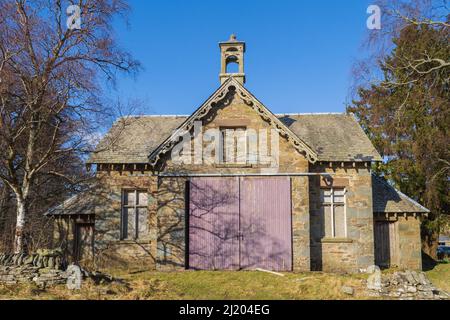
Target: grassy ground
440, 276
216, 285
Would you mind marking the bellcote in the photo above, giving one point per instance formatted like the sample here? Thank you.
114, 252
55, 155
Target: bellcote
232, 52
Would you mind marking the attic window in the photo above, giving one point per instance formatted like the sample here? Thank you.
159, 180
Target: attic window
233, 145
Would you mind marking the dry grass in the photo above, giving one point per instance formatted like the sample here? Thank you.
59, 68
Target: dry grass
440, 276
150, 285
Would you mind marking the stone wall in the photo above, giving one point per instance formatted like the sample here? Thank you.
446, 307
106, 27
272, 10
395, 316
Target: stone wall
171, 222
166, 244
109, 248
410, 243
300, 224
45, 267
172, 193
356, 250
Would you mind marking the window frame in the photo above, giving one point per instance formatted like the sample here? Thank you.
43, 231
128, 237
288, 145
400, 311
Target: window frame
332, 206
135, 208
222, 151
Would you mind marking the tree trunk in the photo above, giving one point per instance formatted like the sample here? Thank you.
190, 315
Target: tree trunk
4, 201
19, 237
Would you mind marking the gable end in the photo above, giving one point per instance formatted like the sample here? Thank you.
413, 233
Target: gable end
224, 95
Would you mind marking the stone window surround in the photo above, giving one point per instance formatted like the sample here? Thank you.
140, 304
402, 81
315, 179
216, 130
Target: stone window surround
332, 204
136, 207
223, 133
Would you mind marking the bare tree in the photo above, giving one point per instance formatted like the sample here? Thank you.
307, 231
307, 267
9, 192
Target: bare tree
50, 71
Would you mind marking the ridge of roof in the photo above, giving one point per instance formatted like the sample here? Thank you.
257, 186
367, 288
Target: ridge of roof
277, 114
154, 116
311, 114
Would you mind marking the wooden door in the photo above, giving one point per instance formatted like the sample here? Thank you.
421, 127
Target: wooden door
240, 223
266, 230
83, 241
214, 224
386, 244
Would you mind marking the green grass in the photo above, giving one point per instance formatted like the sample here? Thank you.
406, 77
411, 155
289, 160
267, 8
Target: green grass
246, 285
440, 276
216, 285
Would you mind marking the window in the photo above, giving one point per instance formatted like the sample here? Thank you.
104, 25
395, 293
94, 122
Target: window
134, 222
333, 208
233, 145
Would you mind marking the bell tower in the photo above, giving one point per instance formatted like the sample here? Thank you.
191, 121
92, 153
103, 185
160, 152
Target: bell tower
232, 52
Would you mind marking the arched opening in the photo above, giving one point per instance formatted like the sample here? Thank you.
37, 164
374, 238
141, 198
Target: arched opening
232, 65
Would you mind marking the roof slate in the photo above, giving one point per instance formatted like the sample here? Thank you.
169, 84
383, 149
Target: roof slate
335, 137
388, 199
132, 139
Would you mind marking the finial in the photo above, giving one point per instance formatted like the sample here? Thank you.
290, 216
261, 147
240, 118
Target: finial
232, 37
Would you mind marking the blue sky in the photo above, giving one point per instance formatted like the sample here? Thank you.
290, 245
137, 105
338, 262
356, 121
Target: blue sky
299, 53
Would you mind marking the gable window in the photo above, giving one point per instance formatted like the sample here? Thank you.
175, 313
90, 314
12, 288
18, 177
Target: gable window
334, 216
233, 145
134, 220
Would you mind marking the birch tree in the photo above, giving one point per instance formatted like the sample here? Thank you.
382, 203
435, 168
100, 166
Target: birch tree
54, 55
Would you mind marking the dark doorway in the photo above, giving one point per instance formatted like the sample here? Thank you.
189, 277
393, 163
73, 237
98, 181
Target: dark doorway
83, 241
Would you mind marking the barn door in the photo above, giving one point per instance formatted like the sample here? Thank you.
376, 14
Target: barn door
265, 228
214, 224
240, 223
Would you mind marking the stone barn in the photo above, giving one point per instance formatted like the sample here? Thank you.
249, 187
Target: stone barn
234, 186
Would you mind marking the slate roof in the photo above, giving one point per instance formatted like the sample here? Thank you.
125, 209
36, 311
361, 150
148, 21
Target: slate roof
388, 199
132, 139
335, 137
79, 204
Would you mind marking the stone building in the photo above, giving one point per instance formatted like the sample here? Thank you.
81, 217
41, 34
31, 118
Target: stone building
234, 186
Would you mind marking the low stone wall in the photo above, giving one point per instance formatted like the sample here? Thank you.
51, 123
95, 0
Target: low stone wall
45, 267
28, 274
407, 285
43, 258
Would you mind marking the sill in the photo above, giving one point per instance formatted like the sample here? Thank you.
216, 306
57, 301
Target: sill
132, 242
233, 165
336, 240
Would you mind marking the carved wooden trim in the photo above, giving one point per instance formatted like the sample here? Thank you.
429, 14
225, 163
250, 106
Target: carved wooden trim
224, 95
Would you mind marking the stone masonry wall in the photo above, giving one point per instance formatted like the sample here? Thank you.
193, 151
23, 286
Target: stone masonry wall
45, 267
356, 250
166, 244
171, 223
410, 243
171, 243
109, 248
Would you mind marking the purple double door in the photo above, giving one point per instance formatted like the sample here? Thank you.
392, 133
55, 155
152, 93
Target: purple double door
240, 223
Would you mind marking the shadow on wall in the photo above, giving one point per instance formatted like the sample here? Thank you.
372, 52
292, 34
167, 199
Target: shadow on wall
88, 229
223, 238
171, 209
317, 225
